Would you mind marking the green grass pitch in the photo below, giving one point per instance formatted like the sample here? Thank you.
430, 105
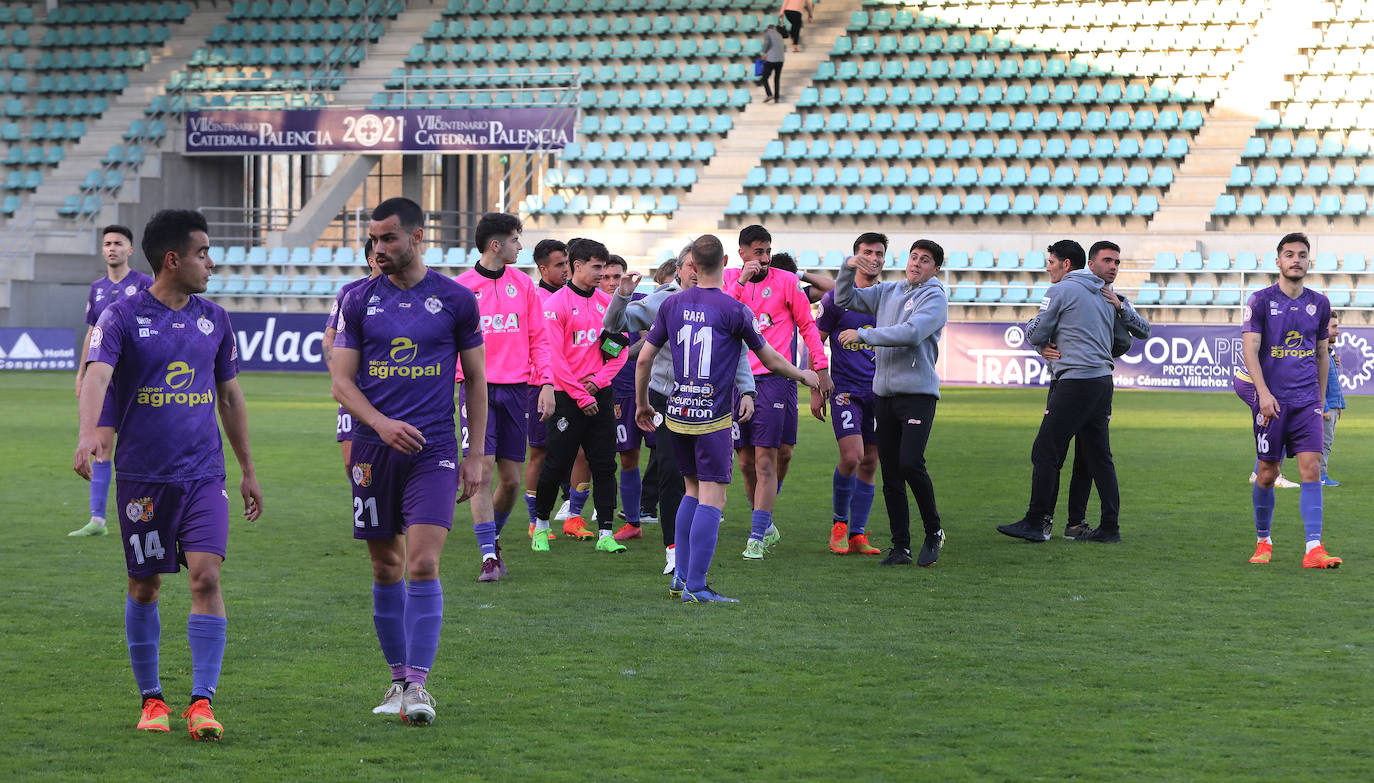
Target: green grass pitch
1167, 657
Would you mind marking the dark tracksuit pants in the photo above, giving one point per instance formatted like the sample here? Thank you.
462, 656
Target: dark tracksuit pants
1077, 408
663, 465
1081, 482
568, 429
903, 426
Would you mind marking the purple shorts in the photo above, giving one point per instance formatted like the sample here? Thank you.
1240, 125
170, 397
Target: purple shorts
536, 428
628, 435
1296, 429
854, 414
160, 522
109, 417
344, 430
775, 414
507, 405
705, 457
392, 491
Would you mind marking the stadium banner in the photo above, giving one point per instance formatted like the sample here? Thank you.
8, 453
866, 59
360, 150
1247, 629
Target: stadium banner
280, 342
488, 129
1189, 358
22, 348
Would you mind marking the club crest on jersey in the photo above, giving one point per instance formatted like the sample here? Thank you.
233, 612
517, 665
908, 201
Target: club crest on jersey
447, 463
433, 305
96, 335
842, 398
658, 419
510, 290
362, 474
205, 325
130, 290
561, 424
1246, 313
908, 305
139, 510
600, 309
767, 292
1259, 419
617, 410
1311, 309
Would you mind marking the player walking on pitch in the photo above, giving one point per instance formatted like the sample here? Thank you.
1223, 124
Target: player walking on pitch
706, 328
551, 258
1287, 358
119, 283
170, 357
400, 338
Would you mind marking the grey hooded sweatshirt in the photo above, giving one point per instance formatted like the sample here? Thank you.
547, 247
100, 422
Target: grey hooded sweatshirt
906, 340
625, 314
1079, 321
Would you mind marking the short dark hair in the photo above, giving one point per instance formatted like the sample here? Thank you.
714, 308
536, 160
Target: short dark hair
869, 238
367, 249
936, 252
1296, 236
407, 212
169, 231
546, 248
785, 262
709, 254
115, 228
1101, 245
580, 249
619, 261
751, 234
494, 225
666, 271
1068, 250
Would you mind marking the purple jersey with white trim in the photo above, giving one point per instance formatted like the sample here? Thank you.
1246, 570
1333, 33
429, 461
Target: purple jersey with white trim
332, 322
408, 343
1289, 330
166, 366
105, 292
709, 329
850, 368
624, 381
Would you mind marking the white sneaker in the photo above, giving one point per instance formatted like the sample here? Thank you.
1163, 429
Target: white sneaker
1254, 477
1283, 483
672, 561
593, 515
647, 519
562, 515
417, 706
391, 701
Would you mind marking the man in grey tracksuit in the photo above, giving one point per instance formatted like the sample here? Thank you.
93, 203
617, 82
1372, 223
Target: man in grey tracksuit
911, 313
625, 314
1078, 318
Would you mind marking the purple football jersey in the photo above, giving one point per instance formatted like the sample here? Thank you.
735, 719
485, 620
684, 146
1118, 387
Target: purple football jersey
706, 327
332, 322
408, 342
166, 365
1289, 330
850, 368
105, 293
624, 381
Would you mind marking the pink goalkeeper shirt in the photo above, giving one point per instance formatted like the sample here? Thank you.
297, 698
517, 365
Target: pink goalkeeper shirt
512, 325
574, 321
780, 309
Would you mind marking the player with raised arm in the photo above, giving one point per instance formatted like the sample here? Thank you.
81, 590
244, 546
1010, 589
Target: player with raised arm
1287, 358
400, 338
119, 283
852, 406
765, 443
708, 330
551, 258
343, 432
170, 357
585, 359
517, 346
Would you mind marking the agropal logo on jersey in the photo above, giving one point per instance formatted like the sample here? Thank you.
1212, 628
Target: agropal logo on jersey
1291, 348
176, 389
403, 352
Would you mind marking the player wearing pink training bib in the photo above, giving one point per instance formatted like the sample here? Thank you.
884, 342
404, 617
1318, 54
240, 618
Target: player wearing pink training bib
512, 318
765, 443
585, 360
551, 257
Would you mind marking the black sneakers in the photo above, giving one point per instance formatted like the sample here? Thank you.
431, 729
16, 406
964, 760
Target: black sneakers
930, 549
1075, 530
1102, 535
1029, 530
897, 557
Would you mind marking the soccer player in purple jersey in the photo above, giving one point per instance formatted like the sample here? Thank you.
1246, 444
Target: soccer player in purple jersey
708, 329
852, 406
627, 435
551, 258
169, 355
400, 338
343, 433
119, 283
1287, 357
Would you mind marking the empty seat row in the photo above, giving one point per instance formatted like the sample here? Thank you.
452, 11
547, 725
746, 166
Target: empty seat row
35, 156
899, 176
990, 293
237, 255
1308, 147
1246, 261
629, 74
641, 177
562, 51
534, 8
92, 59
80, 82
278, 55
42, 131
617, 25
950, 205
314, 9
270, 33
603, 205
58, 107
969, 95
1294, 175
639, 151
24, 180
1278, 205
666, 99
441, 99
940, 70
104, 36
985, 149
124, 12
675, 124
161, 104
